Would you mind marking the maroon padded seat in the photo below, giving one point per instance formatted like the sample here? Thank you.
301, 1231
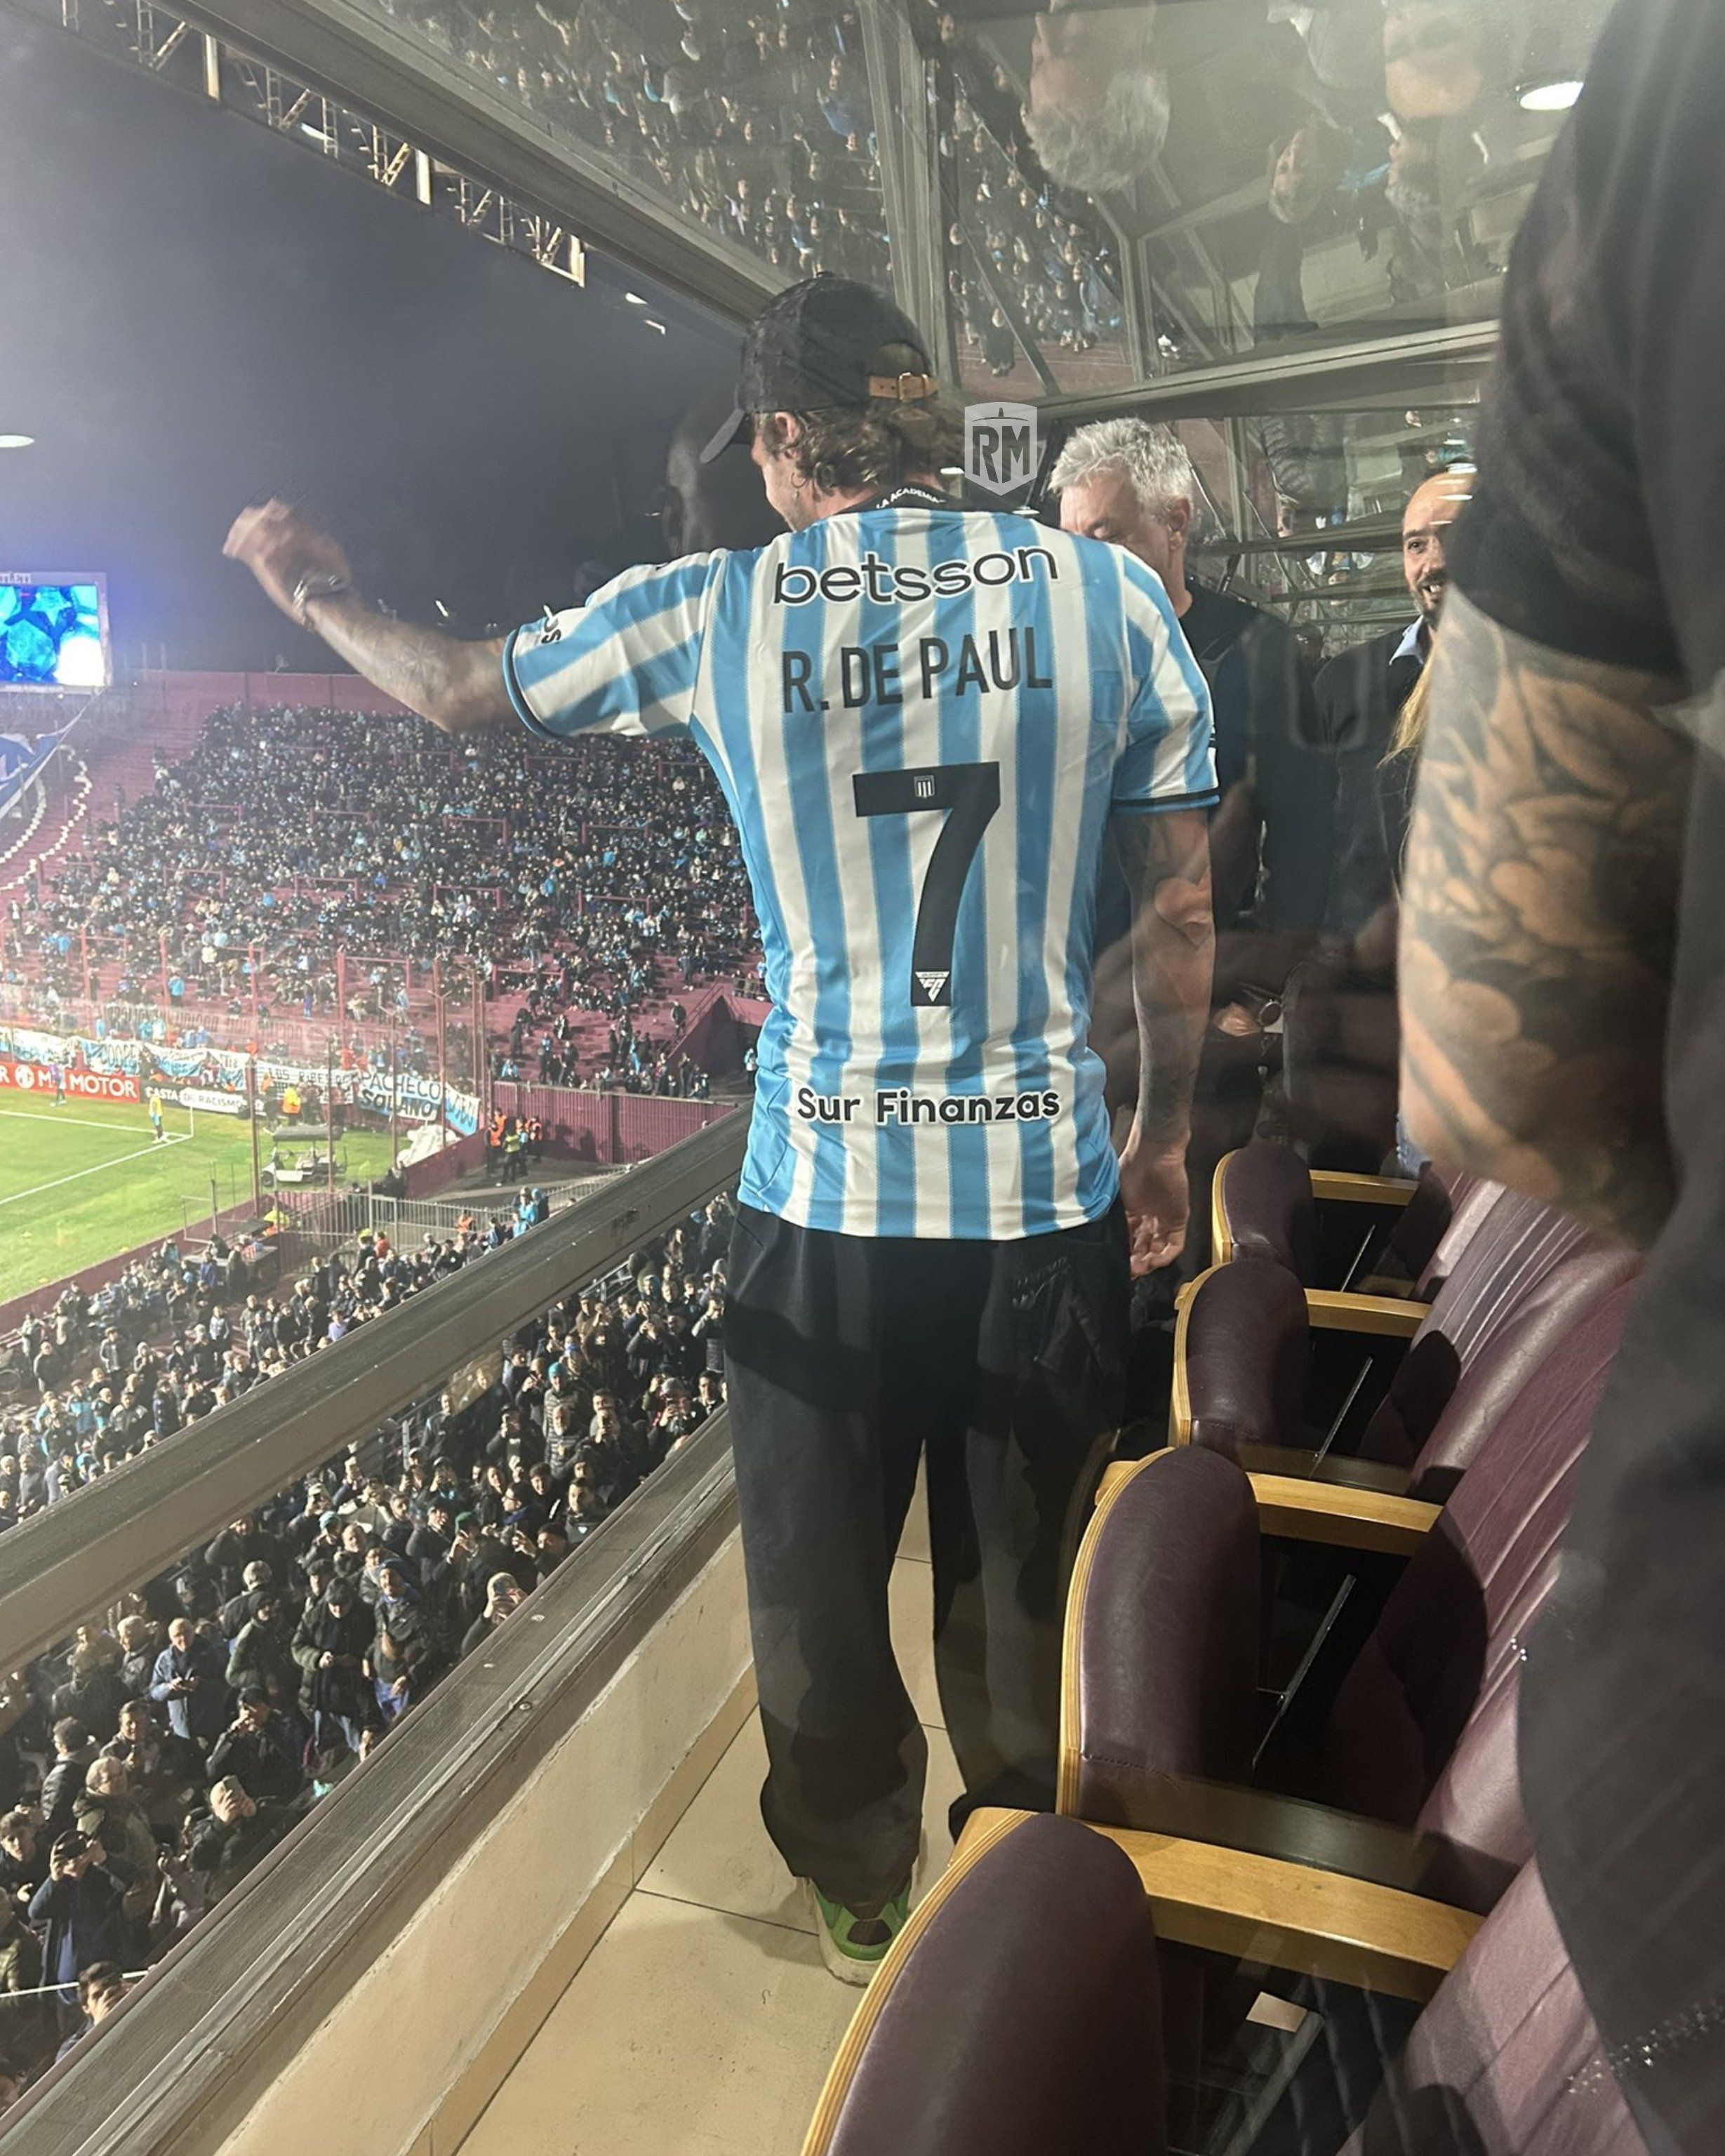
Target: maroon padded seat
1421, 1732
1264, 1193
1522, 1279
1023, 2021
1463, 1202
1505, 2061
1020, 2021
1516, 1286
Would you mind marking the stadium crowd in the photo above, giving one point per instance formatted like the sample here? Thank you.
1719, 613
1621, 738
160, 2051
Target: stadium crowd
758, 123
568, 879
147, 1768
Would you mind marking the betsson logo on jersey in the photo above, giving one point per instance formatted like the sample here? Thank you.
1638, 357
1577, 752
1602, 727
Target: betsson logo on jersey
884, 583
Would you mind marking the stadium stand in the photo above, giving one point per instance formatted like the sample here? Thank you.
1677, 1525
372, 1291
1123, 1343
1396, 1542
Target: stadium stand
148, 1767
595, 895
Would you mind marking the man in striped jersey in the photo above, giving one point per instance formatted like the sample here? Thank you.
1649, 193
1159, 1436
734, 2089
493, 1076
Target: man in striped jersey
924, 720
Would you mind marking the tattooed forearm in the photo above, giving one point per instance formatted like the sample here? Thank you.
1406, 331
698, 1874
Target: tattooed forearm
456, 684
1537, 922
1174, 954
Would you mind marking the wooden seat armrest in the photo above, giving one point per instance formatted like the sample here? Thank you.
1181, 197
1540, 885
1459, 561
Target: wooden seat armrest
1360, 1504
1264, 1823
1362, 1189
1303, 1510
1335, 1469
1290, 1916
1332, 1311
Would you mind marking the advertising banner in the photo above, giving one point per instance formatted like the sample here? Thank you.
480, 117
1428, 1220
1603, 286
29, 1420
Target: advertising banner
80, 1084
122, 1063
217, 1104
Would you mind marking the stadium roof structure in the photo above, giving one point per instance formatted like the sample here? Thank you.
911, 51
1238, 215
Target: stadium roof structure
1282, 317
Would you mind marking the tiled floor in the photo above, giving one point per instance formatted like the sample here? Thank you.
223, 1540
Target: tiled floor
703, 2023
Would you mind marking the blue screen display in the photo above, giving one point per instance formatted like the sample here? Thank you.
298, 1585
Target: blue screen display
52, 634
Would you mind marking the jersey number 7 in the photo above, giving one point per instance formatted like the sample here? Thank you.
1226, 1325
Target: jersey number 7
969, 796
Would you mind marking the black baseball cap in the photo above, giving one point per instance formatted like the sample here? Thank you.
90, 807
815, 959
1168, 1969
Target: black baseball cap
817, 345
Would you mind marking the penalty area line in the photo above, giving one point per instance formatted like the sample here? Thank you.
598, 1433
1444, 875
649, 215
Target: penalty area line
95, 1168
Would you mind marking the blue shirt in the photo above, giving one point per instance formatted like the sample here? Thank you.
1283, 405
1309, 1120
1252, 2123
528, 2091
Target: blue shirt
922, 717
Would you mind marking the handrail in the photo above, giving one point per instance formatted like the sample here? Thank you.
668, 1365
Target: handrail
84, 1552
200, 2039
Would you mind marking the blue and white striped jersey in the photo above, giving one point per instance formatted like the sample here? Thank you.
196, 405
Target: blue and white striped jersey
922, 717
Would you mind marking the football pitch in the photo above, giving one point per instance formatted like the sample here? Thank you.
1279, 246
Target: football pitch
79, 1182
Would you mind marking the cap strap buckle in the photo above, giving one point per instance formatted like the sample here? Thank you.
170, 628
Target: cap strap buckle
906, 388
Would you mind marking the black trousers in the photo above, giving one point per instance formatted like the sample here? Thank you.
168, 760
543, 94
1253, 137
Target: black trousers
848, 1358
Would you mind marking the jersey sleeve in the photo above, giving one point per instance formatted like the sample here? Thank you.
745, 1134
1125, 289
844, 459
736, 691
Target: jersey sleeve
1167, 757
626, 663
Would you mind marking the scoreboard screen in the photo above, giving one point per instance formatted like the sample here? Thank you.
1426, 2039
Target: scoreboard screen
53, 631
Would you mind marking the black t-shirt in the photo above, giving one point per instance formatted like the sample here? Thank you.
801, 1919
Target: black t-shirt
1267, 738
1596, 530
1271, 864
1360, 696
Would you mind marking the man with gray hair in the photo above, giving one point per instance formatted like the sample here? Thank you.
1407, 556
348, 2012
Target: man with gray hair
1133, 484
1271, 841
1098, 112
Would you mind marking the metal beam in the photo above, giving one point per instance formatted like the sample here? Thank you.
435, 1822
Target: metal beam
898, 94
1365, 535
360, 59
1296, 380
85, 1552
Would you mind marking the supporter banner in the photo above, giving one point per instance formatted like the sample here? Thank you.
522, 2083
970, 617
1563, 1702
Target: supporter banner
120, 1064
80, 1084
217, 1104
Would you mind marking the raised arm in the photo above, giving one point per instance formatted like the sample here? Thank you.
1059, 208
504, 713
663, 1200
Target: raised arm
457, 684
1168, 861
1538, 915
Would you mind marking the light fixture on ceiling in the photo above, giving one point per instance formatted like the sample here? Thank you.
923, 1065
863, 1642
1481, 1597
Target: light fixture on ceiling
634, 299
1548, 93
16, 441
653, 325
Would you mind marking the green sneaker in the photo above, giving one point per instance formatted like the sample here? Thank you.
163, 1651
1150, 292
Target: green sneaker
854, 1943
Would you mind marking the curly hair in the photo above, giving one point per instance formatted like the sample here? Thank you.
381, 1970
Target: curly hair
847, 449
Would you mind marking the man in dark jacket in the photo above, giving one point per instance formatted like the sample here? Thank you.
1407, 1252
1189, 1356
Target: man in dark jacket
1360, 695
261, 1657
79, 1906
74, 1749
409, 1653
239, 1831
331, 1646
262, 1748
239, 1544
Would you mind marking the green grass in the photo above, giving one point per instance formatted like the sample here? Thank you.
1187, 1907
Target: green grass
80, 1183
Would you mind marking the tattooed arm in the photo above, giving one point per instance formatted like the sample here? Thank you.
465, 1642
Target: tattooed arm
457, 686
1168, 863
1537, 924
